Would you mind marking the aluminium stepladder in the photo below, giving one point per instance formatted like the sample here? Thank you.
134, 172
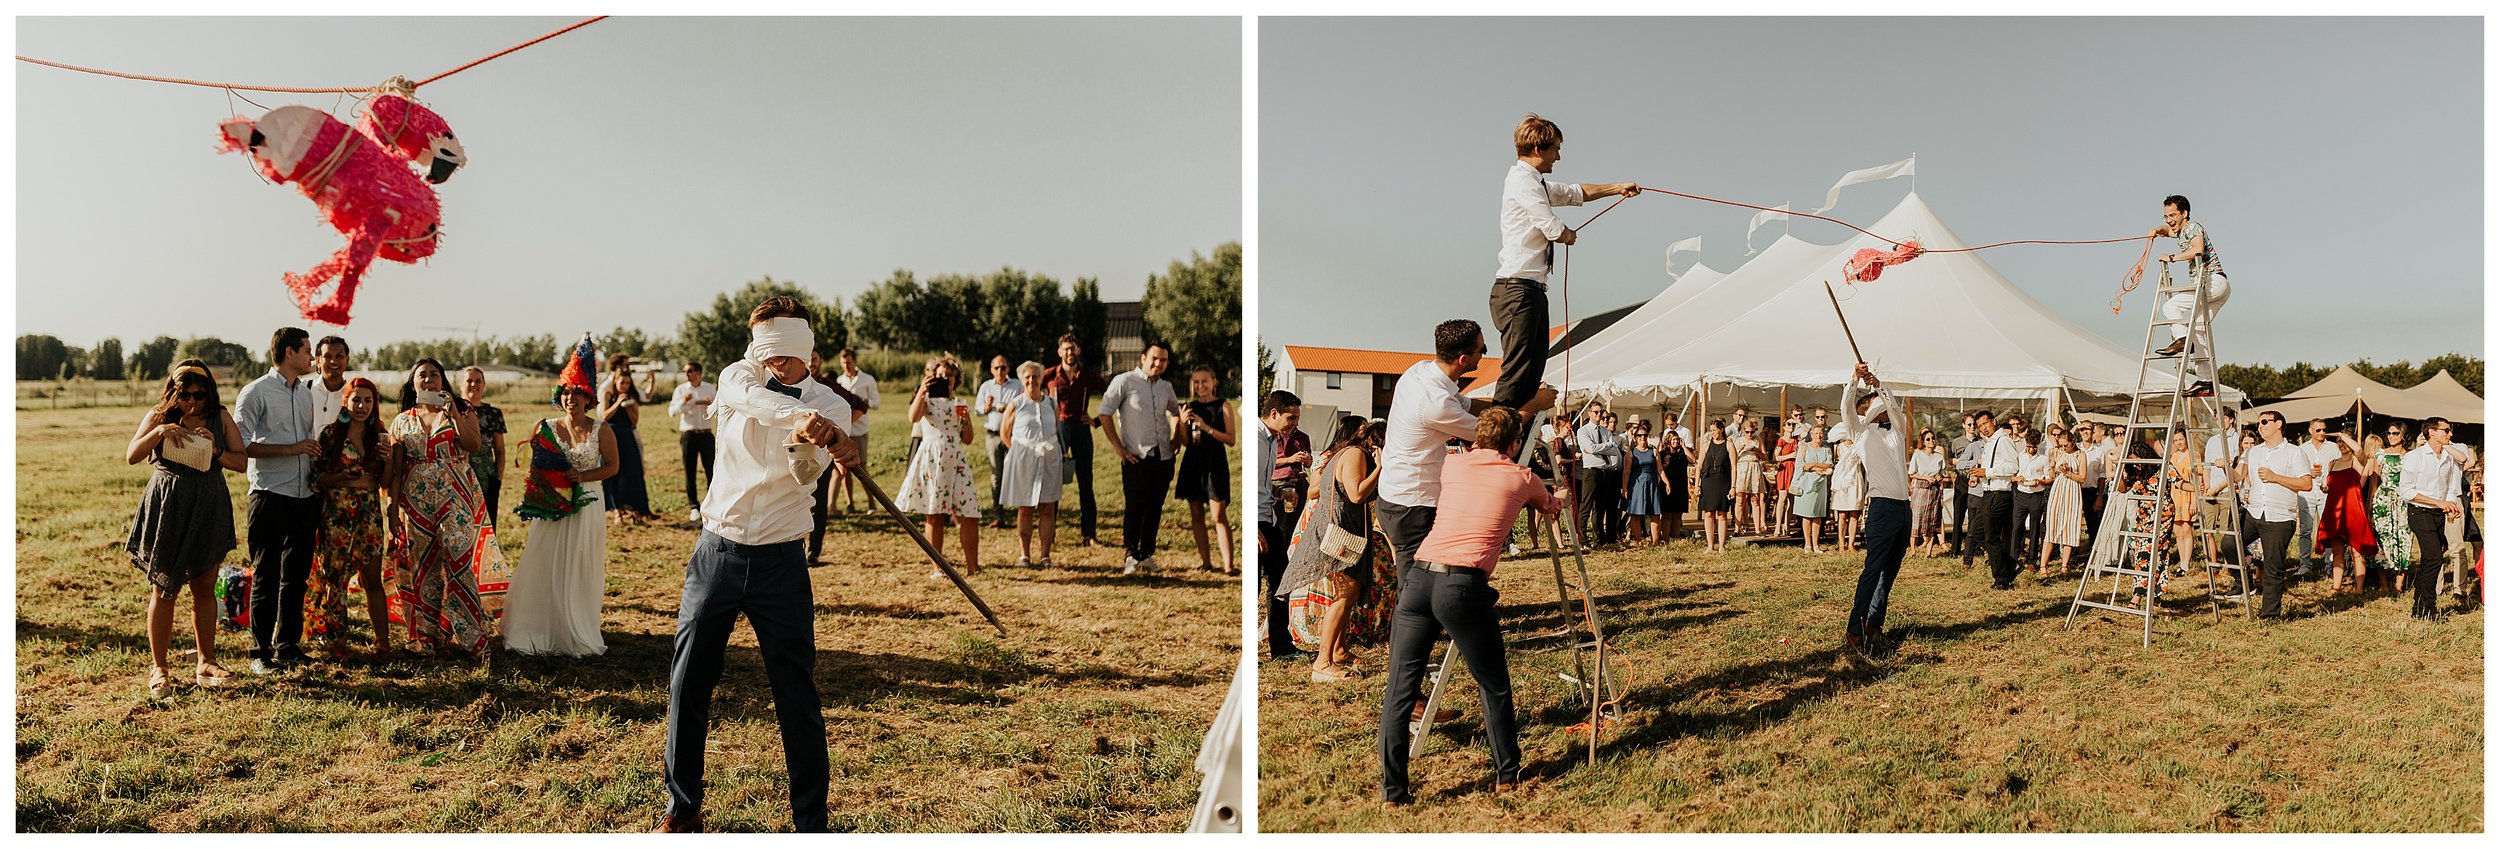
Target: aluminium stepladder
2169, 410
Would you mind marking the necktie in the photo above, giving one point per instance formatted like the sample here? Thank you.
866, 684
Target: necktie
1547, 196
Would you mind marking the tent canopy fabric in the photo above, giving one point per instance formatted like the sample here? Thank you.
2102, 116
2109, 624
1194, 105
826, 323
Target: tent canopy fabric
2341, 383
1942, 326
2333, 396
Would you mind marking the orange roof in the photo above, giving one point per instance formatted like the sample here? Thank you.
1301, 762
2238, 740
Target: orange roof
1360, 361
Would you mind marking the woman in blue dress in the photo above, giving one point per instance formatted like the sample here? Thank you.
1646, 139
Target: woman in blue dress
1644, 490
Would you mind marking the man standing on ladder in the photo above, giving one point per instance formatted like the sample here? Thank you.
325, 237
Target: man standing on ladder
2204, 267
1529, 233
1887, 507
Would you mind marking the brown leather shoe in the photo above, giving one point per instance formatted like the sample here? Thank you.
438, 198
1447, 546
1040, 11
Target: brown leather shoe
679, 825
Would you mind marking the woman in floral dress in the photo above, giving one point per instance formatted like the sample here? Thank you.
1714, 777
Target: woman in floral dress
439, 509
2387, 511
350, 474
939, 482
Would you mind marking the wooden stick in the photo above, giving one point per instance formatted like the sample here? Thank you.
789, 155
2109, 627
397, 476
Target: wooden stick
877, 494
1844, 322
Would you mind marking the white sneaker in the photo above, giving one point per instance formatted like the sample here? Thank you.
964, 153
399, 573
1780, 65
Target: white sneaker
1148, 565
695, 516
1128, 566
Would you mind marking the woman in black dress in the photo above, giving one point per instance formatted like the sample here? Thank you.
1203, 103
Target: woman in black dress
620, 405
1676, 460
1205, 477
1718, 473
185, 524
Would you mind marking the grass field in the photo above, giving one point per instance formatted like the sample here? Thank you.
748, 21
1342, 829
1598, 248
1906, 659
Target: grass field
1087, 717
1746, 714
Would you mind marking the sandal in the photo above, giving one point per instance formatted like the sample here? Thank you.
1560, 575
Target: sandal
210, 675
160, 683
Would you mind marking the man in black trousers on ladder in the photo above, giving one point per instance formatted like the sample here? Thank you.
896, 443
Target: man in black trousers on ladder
1529, 233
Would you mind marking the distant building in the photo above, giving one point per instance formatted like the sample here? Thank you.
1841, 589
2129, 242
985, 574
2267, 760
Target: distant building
1357, 381
1124, 335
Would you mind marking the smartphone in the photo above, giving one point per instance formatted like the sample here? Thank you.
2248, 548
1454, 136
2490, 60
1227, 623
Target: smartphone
433, 398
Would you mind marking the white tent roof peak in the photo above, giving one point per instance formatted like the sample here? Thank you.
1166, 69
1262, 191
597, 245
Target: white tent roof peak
1942, 325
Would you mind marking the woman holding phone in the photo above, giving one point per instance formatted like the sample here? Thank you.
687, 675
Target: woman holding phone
939, 482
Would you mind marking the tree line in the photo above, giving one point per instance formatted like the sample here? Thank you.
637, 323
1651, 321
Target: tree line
1195, 305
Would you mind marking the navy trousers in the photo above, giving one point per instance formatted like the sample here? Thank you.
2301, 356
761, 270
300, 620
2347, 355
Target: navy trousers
767, 583
1887, 539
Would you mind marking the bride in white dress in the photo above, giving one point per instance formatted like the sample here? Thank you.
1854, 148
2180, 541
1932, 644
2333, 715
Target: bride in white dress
554, 604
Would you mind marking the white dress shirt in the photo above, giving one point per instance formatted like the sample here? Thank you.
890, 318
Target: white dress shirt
2431, 473
2034, 466
2322, 455
1529, 227
2269, 501
2001, 459
1142, 408
327, 403
759, 496
1425, 413
692, 405
1879, 447
865, 386
994, 396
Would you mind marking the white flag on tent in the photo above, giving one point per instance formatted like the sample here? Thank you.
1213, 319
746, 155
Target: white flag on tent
1903, 168
1767, 216
1682, 246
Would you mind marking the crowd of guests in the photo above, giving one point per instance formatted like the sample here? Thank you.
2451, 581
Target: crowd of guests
398, 505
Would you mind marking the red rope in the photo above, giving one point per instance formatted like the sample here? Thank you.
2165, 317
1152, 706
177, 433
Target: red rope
292, 90
1888, 241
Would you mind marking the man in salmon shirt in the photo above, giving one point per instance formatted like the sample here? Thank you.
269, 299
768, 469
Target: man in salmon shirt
1449, 587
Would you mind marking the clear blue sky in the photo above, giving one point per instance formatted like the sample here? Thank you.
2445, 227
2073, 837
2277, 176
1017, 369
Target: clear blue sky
2339, 163
626, 173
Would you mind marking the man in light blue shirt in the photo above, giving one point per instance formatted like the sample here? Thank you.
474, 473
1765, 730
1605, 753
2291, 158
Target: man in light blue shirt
1601, 477
275, 416
990, 403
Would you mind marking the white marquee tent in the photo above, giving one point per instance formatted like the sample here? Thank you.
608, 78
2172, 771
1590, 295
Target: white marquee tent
1943, 326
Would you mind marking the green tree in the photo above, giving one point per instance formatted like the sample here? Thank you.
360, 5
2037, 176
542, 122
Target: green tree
2467, 370
154, 358
718, 336
1089, 320
219, 352
1267, 369
106, 362
39, 356
1196, 306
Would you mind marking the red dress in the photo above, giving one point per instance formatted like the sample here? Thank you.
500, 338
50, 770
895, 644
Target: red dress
2347, 517
1788, 467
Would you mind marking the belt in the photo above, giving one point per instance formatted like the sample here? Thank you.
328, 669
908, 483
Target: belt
1445, 569
1538, 285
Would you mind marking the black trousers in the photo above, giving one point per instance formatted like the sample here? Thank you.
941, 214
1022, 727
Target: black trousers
1272, 570
1519, 315
817, 510
1887, 539
2274, 544
1076, 438
282, 532
1144, 484
1963, 522
2091, 524
1601, 505
768, 584
2430, 556
1406, 528
695, 446
2031, 524
1428, 604
1996, 533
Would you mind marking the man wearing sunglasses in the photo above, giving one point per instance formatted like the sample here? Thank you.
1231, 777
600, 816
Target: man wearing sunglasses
2432, 489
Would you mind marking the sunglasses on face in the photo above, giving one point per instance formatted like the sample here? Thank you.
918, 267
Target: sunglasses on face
190, 395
